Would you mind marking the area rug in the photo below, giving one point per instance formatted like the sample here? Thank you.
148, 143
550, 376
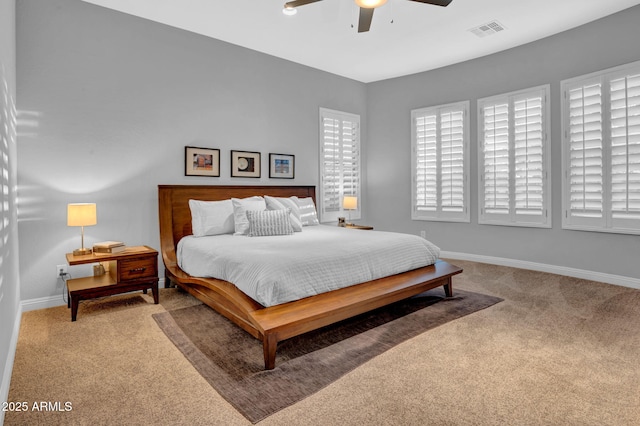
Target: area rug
232, 361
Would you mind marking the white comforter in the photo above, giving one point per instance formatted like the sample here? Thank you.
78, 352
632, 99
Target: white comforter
279, 269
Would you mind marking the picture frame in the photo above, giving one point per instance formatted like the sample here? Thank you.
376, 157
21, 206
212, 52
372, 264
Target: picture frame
201, 161
282, 166
245, 164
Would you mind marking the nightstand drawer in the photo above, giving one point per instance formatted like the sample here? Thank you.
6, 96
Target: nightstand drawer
133, 269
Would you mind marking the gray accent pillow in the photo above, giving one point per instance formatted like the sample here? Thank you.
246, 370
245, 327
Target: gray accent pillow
269, 222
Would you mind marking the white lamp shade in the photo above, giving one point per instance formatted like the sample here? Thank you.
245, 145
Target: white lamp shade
350, 203
370, 4
81, 214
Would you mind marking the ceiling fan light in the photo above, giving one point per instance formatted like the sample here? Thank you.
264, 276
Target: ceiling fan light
289, 11
370, 4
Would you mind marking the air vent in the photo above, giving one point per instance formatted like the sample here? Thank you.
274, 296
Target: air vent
488, 29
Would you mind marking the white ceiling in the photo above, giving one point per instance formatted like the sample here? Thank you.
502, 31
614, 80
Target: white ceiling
421, 37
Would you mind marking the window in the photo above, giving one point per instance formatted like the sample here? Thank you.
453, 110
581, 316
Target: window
514, 185
601, 151
440, 159
340, 171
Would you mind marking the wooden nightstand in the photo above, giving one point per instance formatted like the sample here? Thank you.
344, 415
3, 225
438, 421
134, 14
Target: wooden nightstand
135, 268
354, 226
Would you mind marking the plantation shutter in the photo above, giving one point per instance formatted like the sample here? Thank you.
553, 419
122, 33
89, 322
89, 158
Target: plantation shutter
426, 191
440, 186
625, 148
514, 188
495, 151
452, 171
350, 158
331, 165
585, 144
601, 148
529, 139
340, 163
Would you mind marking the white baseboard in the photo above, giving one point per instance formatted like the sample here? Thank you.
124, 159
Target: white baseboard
8, 367
542, 267
42, 303
53, 301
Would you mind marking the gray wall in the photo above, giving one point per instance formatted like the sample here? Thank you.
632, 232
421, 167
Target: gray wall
9, 283
108, 101
599, 45
112, 101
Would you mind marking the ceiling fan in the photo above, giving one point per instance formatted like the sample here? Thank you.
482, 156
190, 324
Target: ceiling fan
366, 9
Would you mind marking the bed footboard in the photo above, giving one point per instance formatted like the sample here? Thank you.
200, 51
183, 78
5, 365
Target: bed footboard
281, 322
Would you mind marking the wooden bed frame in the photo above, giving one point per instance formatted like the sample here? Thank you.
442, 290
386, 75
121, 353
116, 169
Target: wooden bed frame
277, 323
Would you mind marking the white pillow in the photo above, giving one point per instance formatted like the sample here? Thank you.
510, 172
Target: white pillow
269, 222
240, 207
308, 214
211, 217
280, 203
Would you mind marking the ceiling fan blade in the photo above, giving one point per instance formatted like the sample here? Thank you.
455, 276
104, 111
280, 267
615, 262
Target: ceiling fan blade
364, 22
297, 3
435, 2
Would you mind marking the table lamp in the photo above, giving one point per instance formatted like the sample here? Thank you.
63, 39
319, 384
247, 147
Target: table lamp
81, 214
350, 203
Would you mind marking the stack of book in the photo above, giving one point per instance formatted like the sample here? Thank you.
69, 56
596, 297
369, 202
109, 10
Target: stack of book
108, 247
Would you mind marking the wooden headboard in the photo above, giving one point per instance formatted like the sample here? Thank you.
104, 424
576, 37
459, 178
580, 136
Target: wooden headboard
175, 215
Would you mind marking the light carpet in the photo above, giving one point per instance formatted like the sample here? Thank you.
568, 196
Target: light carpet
232, 362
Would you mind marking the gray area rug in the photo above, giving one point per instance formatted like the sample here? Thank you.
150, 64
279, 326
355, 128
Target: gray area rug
232, 361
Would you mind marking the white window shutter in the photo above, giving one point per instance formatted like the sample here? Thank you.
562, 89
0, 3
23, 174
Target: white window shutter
529, 157
452, 167
350, 158
331, 165
585, 144
440, 163
601, 151
514, 158
340, 170
495, 151
625, 148
426, 180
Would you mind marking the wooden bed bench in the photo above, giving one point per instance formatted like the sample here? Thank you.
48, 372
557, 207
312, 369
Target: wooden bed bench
277, 323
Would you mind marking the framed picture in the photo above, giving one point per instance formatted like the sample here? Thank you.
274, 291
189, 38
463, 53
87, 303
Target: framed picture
245, 164
201, 161
282, 166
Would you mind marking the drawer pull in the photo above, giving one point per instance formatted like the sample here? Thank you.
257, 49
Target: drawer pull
137, 270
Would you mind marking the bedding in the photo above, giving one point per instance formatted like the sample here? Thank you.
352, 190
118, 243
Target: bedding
240, 207
211, 217
277, 269
308, 214
281, 203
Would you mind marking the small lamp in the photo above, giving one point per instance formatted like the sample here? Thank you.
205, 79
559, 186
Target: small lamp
81, 214
350, 203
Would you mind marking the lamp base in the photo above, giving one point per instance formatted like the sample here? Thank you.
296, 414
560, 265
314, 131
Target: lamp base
82, 251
